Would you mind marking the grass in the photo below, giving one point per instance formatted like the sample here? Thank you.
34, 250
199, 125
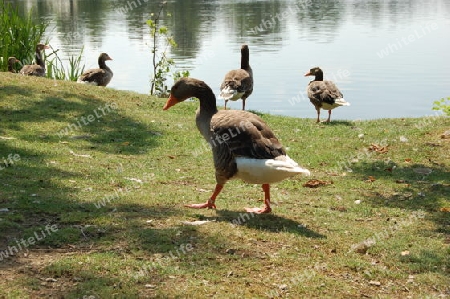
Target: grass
93, 189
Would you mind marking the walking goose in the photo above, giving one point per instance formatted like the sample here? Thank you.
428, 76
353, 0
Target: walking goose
242, 144
324, 94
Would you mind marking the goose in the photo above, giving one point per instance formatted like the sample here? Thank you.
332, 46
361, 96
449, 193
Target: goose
101, 76
238, 84
37, 69
324, 94
11, 62
243, 145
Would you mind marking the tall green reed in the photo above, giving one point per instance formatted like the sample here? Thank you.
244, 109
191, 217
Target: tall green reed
19, 35
56, 70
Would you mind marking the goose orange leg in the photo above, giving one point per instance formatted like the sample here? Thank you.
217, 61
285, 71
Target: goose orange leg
266, 209
210, 204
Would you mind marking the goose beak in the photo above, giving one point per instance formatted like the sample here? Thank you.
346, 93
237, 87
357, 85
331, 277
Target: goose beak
46, 47
171, 102
307, 74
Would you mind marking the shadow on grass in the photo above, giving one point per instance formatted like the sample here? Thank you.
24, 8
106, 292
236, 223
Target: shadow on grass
338, 122
265, 222
418, 186
82, 116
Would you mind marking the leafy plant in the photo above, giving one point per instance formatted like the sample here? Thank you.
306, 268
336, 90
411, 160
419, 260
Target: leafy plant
162, 64
441, 105
55, 67
179, 74
19, 35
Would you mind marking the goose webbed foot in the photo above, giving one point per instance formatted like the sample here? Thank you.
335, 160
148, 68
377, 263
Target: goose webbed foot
266, 209
209, 204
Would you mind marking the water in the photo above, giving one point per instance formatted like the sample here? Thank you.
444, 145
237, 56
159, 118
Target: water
389, 58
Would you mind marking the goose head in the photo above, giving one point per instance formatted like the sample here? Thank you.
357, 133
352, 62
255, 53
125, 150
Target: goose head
104, 57
314, 72
11, 62
40, 47
184, 89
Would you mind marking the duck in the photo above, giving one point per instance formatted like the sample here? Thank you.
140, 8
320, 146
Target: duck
243, 145
99, 77
238, 83
37, 69
11, 62
324, 94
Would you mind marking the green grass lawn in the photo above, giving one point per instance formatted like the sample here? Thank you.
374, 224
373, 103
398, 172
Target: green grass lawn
93, 182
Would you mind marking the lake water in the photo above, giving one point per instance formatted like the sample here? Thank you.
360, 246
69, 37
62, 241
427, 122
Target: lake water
389, 58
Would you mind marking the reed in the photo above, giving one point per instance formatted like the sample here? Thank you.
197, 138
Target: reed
19, 34
75, 67
56, 70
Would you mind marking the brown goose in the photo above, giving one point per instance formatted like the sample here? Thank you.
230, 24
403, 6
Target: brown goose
243, 145
324, 94
238, 84
37, 69
11, 62
101, 76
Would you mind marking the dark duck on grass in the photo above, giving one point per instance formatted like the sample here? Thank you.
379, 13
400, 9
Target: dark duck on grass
243, 145
238, 83
11, 63
37, 69
101, 76
324, 94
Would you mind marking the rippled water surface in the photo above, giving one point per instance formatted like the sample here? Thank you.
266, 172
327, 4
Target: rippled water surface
389, 58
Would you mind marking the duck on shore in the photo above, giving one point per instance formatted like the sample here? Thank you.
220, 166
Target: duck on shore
324, 94
243, 145
11, 62
238, 83
37, 69
100, 76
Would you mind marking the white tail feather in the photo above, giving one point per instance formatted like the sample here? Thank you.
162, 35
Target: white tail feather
342, 102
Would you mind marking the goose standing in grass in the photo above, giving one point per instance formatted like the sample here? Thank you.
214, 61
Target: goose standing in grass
324, 94
101, 76
37, 69
242, 144
11, 62
238, 84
